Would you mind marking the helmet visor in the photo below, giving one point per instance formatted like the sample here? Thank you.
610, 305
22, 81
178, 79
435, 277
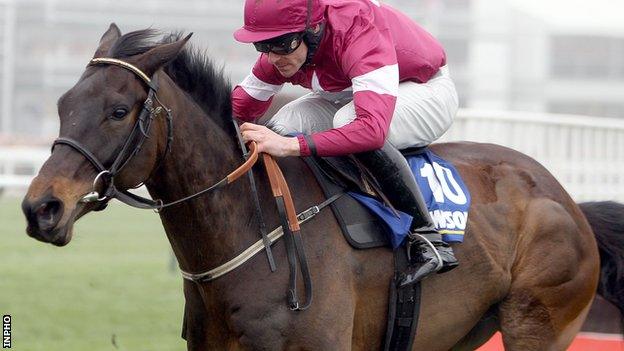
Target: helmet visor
282, 45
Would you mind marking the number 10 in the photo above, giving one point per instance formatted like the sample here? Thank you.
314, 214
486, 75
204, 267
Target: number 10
437, 177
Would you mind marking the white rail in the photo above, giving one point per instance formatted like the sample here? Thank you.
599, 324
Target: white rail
586, 154
19, 165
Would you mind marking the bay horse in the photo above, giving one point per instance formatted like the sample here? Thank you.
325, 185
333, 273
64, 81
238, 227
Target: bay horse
529, 265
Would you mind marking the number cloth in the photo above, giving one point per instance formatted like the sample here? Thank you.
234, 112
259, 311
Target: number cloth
445, 193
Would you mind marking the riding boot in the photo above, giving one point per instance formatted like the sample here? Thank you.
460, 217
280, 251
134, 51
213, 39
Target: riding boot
427, 253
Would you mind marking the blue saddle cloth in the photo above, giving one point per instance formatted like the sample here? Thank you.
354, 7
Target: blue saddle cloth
445, 193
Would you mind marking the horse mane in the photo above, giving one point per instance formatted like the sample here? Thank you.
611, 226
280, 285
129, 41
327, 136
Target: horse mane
192, 70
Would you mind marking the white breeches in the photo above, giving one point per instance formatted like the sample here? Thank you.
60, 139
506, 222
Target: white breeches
422, 114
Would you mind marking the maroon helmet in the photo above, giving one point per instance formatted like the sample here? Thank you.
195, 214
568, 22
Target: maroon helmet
266, 19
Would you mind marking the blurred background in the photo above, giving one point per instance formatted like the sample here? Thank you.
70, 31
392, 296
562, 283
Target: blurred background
545, 77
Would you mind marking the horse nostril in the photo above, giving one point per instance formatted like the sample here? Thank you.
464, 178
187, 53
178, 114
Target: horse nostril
47, 213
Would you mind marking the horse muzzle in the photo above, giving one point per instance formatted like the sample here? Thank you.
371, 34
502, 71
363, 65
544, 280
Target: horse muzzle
51, 207
44, 220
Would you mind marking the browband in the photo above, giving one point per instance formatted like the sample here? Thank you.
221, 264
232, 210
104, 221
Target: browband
126, 65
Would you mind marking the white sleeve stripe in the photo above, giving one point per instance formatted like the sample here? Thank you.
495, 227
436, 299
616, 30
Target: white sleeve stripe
384, 80
258, 89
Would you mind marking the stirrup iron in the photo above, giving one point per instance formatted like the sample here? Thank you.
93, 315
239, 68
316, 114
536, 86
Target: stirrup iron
413, 238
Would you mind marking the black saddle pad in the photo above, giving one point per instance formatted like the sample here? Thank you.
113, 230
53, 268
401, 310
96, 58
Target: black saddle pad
360, 227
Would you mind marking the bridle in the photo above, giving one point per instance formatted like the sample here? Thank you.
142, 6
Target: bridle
132, 146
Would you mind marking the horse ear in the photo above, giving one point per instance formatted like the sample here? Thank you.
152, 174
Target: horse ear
112, 34
159, 56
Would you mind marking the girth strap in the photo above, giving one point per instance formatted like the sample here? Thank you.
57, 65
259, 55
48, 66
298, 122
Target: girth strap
403, 309
290, 224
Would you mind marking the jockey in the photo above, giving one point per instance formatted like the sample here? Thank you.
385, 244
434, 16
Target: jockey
379, 84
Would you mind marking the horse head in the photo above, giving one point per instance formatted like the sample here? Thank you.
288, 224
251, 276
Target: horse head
106, 136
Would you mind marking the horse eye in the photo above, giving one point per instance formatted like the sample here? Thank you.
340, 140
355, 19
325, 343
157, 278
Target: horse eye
120, 113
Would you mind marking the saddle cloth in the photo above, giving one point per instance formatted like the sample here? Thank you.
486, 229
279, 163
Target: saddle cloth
368, 222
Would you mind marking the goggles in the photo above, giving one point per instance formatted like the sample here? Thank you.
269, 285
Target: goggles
282, 45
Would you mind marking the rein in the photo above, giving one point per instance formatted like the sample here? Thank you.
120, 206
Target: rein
131, 147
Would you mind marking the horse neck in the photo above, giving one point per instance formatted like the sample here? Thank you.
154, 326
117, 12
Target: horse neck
206, 231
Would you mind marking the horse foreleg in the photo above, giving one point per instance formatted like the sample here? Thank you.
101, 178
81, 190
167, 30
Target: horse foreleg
195, 324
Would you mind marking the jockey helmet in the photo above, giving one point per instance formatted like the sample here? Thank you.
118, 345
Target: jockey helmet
267, 19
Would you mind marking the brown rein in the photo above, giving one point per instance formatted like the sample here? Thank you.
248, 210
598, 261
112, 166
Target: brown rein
286, 208
279, 187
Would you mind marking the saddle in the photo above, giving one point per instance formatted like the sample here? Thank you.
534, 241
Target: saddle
335, 175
